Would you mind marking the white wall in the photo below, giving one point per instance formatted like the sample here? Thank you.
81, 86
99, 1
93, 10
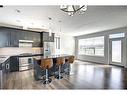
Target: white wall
67, 44
104, 59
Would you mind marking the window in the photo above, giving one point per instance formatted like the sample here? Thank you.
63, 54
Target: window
91, 46
57, 42
118, 35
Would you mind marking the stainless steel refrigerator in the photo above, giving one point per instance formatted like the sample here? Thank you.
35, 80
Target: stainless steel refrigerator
48, 48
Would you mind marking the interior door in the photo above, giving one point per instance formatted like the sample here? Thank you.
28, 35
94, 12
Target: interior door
116, 51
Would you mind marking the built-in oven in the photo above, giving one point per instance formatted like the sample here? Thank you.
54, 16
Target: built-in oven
25, 62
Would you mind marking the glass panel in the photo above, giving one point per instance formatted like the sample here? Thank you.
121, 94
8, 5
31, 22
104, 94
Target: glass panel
91, 46
116, 51
118, 35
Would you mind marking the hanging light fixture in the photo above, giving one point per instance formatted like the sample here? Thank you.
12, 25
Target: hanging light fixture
60, 27
72, 9
50, 30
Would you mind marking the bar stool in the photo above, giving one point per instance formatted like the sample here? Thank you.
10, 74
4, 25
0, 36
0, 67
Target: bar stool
46, 64
69, 61
59, 62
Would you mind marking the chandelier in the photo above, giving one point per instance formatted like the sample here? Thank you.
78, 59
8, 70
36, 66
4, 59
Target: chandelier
72, 9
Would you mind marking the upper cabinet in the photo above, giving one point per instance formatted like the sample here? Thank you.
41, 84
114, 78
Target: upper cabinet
51, 38
47, 38
36, 39
4, 37
15, 36
9, 37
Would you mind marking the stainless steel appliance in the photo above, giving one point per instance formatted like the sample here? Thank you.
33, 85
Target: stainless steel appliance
48, 48
25, 43
25, 61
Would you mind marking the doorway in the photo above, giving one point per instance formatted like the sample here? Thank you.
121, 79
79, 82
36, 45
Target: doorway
116, 51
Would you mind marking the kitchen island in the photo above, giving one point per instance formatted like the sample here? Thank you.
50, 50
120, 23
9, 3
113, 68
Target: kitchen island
13, 63
39, 72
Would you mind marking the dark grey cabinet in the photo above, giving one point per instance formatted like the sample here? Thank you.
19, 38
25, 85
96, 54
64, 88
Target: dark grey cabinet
14, 63
4, 73
36, 39
15, 35
33, 36
30, 35
23, 35
51, 38
47, 38
4, 37
9, 37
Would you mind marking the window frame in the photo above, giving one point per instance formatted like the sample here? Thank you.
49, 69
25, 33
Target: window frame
94, 46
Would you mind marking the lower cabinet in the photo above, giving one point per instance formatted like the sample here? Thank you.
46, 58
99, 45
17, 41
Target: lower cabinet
14, 63
4, 73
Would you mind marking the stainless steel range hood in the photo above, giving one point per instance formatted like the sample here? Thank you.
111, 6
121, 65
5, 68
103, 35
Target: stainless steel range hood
25, 43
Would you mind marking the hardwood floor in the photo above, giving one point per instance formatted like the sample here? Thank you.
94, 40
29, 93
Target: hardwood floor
86, 76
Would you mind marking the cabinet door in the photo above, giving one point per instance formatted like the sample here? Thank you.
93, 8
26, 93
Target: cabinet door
23, 35
45, 37
30, 35
36, 39
15, 38
4, 37
14, 64
51, 38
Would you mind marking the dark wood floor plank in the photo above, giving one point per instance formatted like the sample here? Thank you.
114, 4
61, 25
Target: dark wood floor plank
86, 76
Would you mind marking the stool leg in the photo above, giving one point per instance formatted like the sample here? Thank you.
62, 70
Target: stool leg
46, 76
47, 79
59, 75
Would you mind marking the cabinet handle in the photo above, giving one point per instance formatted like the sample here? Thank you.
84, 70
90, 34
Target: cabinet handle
7, 66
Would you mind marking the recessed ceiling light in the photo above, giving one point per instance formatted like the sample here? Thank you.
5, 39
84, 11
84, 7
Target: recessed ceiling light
49, 18
18, 11
60, 21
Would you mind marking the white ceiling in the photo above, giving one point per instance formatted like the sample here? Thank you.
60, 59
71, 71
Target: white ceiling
95, 19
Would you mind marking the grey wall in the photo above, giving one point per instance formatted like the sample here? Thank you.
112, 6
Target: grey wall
105, 59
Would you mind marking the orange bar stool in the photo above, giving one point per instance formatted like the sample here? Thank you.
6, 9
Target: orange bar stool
59, 62
70, 61
46, 64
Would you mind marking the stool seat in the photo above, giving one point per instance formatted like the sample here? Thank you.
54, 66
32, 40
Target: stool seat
71, 59
59, 61
46, 64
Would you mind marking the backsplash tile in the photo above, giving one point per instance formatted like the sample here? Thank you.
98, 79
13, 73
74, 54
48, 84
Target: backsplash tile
16, 51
